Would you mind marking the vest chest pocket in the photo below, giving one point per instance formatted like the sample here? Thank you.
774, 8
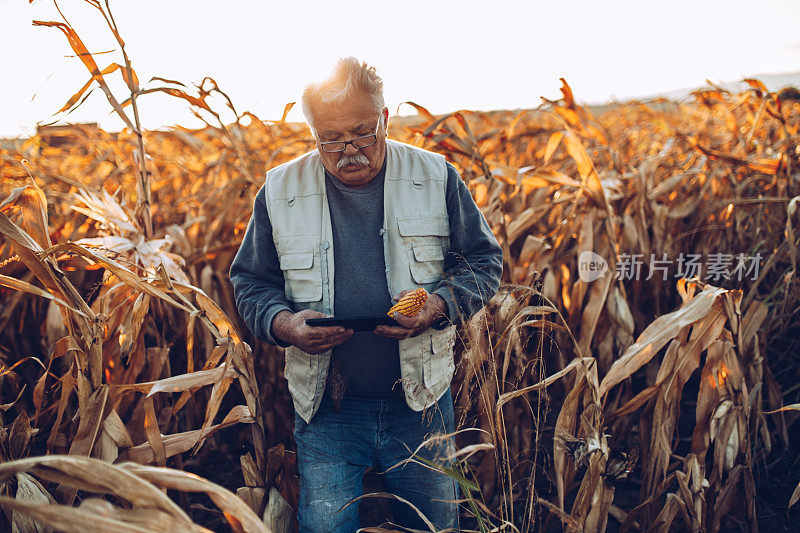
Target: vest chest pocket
427, 239
428, 263
302, 275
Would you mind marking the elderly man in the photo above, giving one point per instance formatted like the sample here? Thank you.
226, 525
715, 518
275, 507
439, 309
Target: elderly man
344, 231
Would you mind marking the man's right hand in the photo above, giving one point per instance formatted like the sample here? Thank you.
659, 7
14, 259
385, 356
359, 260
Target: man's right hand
292, 328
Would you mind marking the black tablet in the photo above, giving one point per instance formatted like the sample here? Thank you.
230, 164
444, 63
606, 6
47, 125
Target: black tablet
364, 323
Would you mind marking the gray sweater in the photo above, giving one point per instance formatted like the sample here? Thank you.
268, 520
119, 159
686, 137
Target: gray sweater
369, 364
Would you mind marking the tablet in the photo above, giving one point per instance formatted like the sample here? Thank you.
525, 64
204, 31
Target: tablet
364, 323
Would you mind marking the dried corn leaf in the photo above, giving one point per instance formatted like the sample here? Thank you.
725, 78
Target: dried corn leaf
235, 510
93, 475
181, 442
657, 334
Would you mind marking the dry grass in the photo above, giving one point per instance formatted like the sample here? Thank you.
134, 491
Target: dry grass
120, 340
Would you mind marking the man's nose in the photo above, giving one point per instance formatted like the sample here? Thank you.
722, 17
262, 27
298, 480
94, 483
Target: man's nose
349, 149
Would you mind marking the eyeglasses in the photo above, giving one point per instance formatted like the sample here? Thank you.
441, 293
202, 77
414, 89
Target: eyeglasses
358, 142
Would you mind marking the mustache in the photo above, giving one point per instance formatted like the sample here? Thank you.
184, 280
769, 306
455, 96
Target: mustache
357, 159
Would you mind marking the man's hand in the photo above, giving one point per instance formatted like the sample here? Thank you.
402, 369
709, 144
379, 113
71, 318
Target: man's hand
411, 326
292, 328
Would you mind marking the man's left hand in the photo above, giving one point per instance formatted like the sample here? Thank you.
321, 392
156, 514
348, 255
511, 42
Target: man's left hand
411, 326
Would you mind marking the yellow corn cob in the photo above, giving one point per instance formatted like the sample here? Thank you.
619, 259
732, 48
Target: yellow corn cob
411, 303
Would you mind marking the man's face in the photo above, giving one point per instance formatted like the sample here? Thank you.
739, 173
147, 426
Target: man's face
345, 121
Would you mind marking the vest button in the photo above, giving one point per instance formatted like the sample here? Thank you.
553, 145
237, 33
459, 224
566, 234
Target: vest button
417, 184
290, 202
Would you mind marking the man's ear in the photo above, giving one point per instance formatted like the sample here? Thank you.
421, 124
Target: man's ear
385, 113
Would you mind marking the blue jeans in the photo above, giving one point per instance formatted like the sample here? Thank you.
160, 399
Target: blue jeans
335, 449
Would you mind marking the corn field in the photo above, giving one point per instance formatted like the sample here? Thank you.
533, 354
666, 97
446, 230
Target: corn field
133, 397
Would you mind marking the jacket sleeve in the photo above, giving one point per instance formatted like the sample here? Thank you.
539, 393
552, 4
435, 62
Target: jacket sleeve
474, 264
256, 276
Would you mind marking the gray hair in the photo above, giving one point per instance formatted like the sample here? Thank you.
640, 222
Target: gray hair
349, 77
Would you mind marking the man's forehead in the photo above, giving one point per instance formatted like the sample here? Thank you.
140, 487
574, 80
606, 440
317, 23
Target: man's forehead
341, 123
334, 128
352, 110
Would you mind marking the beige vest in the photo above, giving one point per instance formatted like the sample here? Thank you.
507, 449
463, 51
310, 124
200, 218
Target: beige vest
416, 237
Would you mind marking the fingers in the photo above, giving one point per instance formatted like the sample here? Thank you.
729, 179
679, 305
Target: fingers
409, 326
400, 295
406, 322
321, 332
318, 339
394, 332
316, 332
310, 313
336, 340
324, 332
324, 348
337, 337
322, 344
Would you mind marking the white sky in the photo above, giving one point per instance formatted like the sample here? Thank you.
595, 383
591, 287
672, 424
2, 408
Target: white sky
489, 54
